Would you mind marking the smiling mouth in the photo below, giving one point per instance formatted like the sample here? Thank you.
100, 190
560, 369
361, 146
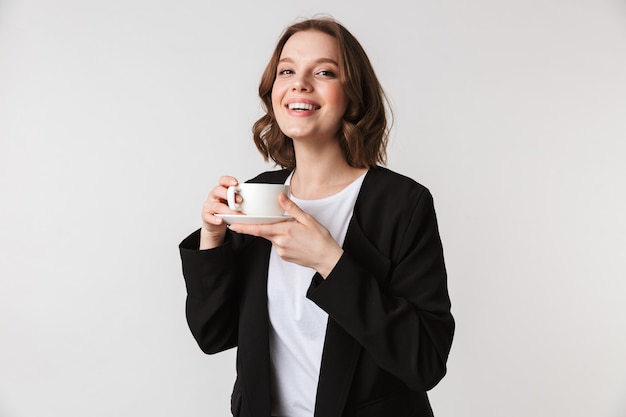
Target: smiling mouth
302, 106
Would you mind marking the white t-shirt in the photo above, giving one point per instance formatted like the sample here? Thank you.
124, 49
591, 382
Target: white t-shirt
298, 325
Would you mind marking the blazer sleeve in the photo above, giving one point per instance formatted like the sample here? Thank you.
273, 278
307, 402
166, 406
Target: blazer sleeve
403, 322
211, 277
211, 307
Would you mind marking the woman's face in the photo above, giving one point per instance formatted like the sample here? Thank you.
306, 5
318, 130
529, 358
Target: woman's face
307, 97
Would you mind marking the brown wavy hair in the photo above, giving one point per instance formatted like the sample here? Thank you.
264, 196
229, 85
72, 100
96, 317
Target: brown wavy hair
364, 131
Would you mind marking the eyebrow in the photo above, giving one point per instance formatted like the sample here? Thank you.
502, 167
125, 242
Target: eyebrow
318, 61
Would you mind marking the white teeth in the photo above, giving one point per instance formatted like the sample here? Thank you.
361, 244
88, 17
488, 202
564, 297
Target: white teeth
301, 106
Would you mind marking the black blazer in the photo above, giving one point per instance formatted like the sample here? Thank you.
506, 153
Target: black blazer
389, 329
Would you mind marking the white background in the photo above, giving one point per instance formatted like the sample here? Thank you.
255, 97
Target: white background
117, 117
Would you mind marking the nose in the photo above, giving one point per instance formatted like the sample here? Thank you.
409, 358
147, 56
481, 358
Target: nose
301, 83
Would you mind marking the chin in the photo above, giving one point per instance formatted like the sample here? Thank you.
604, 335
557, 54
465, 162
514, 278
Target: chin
296, 134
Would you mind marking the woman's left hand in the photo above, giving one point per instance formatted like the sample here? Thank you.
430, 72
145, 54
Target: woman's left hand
303, 241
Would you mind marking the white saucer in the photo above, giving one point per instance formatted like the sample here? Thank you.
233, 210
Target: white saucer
245, 219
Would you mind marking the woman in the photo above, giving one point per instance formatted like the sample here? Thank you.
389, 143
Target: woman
343, 311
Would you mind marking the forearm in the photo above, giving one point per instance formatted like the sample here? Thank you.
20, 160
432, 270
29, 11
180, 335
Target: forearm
211, 240
403, 339
211, 306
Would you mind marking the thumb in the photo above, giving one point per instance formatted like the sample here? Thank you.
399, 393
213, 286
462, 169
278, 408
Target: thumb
292, 208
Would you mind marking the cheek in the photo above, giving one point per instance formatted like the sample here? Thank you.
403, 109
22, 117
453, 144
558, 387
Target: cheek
338, 97
276, 97
341, 105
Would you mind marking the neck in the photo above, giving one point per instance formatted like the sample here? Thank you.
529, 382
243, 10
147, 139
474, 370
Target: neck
321, 175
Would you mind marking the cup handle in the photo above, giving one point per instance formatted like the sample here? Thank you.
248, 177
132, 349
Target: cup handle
230, 197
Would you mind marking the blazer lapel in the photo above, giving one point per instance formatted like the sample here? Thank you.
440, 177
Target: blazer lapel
339, 359
253, 352
341, 352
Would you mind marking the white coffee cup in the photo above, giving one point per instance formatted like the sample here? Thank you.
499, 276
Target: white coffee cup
258, 199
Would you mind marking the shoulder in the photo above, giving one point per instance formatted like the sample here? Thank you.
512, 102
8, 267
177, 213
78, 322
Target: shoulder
382, 182
391, 209
272, 177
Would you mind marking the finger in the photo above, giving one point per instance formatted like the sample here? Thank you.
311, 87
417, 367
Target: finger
222, 191
212, 220
260, 230
223, 183
218, 207
219, 194
293, 209
227, 181
208, 213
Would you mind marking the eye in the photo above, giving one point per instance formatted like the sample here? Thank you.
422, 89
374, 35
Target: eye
284, 71
327, 73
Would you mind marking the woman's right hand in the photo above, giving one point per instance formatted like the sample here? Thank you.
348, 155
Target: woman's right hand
213, 227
